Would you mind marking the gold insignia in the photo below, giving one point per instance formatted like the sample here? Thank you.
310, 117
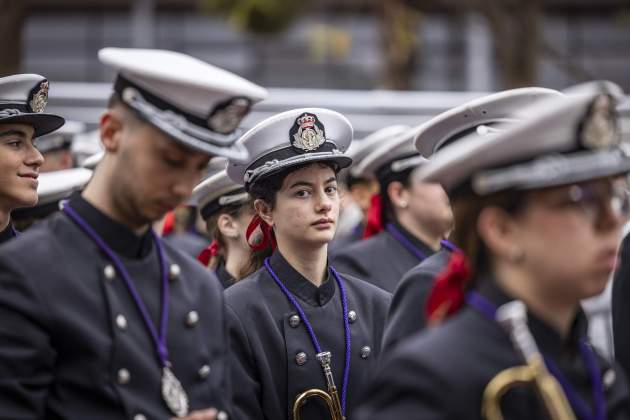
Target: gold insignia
307, 132
599, 128
40, 99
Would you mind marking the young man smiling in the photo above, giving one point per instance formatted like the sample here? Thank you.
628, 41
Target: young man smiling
101, 319
22, 101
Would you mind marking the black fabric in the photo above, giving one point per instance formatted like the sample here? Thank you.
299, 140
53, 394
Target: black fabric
407, 312
224, 277
380, 260
61, 347
118, 237
265, 375
6, 234
441, 372
300, 286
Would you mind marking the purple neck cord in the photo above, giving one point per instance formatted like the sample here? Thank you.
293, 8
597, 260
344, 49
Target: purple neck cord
311, 332
409, 246
583, 412
158, 339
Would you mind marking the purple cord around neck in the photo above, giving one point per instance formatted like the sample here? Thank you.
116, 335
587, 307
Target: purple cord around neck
311, 332
409, 246
158, 339
583, 412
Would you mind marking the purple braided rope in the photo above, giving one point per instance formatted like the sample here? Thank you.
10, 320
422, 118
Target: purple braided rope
159, 340
311, 332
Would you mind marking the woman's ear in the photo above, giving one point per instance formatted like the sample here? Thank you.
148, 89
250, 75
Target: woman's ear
398, 195
264, 211
499, 231
227, 226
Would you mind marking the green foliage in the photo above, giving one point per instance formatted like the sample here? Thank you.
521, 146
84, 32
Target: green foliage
257, 16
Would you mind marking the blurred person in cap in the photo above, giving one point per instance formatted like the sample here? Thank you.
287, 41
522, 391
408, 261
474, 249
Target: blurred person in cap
297, 324
407, 221
53, 187
539, 207
56, 147
227, 210
480, 117
101, 319
358, 188
23, 98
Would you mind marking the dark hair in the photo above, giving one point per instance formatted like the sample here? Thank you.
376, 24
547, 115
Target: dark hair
256, 257
387, 208
466, 211
267, 188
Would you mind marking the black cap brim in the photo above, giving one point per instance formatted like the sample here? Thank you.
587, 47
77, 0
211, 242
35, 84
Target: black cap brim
41, 123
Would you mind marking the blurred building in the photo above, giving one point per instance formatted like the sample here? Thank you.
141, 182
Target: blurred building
327, 47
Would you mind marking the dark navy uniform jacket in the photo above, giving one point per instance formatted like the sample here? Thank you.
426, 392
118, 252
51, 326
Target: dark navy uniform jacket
72, 342
7, 234
267, 372
621, 307
224, 277
381, 260
441, 373
407, 311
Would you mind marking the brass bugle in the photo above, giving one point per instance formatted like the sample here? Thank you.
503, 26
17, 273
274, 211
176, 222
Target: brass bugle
330, 398
513, 318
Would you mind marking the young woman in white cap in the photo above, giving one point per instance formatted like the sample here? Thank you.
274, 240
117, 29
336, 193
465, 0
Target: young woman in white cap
227, 210
297, 324
539, 208
479, 117
407, 222
22, 101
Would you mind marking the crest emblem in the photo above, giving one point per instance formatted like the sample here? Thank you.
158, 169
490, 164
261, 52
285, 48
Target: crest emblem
40, 98
226, 116
598, 129
307, 132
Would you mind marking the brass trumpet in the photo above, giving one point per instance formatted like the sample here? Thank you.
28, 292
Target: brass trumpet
513, 318
330, 398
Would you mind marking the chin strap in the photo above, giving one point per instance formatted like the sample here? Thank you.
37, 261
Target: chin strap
447, 295
264, 238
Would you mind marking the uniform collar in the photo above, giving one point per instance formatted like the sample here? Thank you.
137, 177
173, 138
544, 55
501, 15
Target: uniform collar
6, 234
424, 248
299, 285
225, 278
549, 341
117, 236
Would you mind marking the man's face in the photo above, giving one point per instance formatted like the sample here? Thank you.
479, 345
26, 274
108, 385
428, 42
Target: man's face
20, 162
153, 173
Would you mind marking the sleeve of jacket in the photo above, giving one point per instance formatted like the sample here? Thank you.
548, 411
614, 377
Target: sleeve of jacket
27, 356
405, 388
246, 387
406, 313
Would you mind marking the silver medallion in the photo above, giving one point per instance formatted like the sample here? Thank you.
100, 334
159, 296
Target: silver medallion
173, 393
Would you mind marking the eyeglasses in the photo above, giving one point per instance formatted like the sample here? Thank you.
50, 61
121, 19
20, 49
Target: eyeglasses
599, 199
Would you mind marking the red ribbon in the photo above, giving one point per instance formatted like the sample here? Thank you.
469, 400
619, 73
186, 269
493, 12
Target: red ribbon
447, 295
208, 252
169, 223
268, 237
374, 222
